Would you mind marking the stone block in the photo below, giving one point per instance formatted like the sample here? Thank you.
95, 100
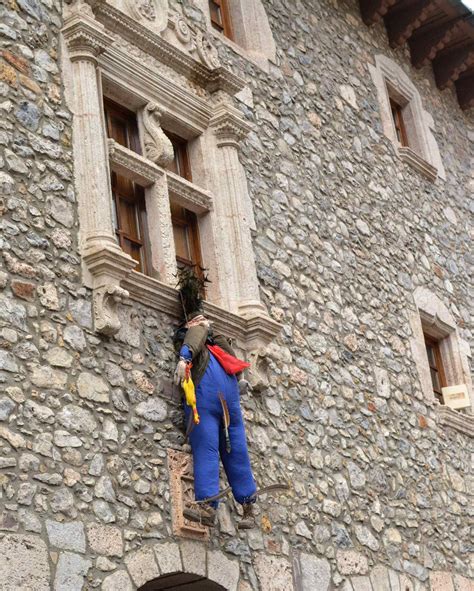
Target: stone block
119, 581
361, 584
462, 584
315, 572
379, 578
194, 557
274, 573
24, 563
92, 387
222, 570
142, 566
168, 557
66, 536
441, 581
105, 539
394, 580
350, 562
70, 572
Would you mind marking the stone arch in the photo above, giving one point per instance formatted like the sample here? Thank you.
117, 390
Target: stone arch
162, 565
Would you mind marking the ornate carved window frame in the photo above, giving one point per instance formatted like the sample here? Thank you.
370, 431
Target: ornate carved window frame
432, 317
115, 56
422, 153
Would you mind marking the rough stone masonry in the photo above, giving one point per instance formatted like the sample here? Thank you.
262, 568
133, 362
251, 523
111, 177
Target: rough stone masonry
381, 493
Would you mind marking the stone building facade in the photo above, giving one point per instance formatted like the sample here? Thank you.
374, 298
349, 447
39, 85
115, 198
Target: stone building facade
336, 249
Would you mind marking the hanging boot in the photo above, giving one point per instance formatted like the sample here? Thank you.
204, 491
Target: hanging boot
202, 513
248, 517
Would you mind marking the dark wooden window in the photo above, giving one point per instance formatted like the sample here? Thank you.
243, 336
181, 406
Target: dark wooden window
220, 17
128, 197
180, 163
435, 361
186, 237
400, 128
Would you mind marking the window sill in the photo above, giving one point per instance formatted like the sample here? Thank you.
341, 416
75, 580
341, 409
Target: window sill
463, 423
417, 162
252, 333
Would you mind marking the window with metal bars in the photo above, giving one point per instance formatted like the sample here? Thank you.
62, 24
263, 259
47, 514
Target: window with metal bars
220, 17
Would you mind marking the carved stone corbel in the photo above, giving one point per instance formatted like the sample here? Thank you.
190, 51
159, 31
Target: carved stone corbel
105, 300
158, 147
256, 374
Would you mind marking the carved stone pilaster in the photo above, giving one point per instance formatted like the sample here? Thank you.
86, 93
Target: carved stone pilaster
158, 147
180, 467
229, 127
84, 36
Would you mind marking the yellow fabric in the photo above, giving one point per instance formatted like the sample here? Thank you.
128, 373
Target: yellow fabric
190, 394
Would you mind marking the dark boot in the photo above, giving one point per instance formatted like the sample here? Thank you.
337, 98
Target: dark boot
248, 517
203, 514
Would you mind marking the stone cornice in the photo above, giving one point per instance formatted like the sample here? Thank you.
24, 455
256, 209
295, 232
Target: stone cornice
417, 162
190, 196
107, 262
123, 70
217, 78
461, 422
132, 165
251, 333
85, 38
433, 324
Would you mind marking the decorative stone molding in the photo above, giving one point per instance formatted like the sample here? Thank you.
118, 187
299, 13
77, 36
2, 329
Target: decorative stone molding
433, 318
206, 73
84, 36
257, 372
228, 125
131, 76
448, 417
132, 165
152, 13
158, 147
190, 196
392, 82
180, 467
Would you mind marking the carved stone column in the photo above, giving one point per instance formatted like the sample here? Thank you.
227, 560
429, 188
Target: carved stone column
107, 263
229, 129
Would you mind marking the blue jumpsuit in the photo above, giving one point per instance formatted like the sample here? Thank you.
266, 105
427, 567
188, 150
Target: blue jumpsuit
208, 441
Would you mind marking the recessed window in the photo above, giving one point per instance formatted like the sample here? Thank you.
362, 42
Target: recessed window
399, 122
180, 163
220, 17
435, 362
186, 237
128, 197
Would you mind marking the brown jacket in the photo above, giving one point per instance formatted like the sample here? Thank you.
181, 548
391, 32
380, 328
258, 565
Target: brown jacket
195, 339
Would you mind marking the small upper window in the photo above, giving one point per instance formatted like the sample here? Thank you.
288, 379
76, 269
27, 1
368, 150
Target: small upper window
220, 17
122, 125
435, 361
180, 163
399, 122
186, 237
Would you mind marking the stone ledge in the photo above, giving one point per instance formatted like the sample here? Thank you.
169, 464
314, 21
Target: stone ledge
417, 162
130, 164
463, 423
251, 332
190, 195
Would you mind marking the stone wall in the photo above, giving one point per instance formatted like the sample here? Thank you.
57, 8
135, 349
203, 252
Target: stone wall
345, 233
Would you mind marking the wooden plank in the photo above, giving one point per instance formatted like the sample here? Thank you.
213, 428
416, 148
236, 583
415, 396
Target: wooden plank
425, 45
373, 11
450, 64
400, 24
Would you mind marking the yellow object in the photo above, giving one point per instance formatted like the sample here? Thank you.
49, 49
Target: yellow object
190, 393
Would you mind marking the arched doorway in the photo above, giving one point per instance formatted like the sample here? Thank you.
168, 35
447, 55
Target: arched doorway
181, 582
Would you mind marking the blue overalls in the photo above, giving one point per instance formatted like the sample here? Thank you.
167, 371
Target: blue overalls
208, 441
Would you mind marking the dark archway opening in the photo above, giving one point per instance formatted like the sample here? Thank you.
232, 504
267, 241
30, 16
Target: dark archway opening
181, 582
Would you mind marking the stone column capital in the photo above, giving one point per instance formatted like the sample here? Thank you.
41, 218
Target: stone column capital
229, 126
85, 37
